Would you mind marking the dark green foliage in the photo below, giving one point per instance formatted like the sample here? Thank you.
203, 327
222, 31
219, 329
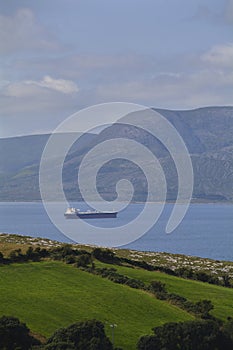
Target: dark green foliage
15, 335
176, 299
134, 283
66, 253
17, 256
59, 346
157, 287
2, 260
116, 277
203, 308
226, 280
83, 260
203, 276
30, 255
87, 335
35, 255
42, 252
70, 259
184, 272
105, 255
228, 329
194, 335
61, 253
142, 264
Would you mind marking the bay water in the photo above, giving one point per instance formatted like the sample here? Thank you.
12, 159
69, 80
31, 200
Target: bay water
206, 230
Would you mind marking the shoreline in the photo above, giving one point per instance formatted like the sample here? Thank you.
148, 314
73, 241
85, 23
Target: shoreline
41, 240
170, 260
193, 201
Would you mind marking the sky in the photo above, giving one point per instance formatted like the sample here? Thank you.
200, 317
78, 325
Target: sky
59, 56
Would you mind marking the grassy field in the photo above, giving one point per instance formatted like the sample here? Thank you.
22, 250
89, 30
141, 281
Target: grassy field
48, 295
221, 297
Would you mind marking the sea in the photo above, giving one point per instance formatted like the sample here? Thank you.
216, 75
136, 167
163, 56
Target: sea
206, 230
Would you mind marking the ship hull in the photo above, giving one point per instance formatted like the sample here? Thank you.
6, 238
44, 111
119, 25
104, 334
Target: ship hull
91, 215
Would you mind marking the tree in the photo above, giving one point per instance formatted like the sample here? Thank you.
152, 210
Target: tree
228, 329
87, 335
191, 335
59, 346
105, 255
158, 289
226, 280
15, 335
203, 307
1, 258
83, 260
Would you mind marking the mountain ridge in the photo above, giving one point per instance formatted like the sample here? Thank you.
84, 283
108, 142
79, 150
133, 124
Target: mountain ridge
207, 133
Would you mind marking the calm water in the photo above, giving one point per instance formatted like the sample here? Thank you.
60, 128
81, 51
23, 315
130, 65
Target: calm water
206, 231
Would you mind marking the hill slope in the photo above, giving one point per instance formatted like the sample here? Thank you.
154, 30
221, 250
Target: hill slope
50, 295
207, 132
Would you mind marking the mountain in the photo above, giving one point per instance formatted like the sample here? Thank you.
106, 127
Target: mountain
207, 133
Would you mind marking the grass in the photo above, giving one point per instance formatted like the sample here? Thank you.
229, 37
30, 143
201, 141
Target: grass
221, 297
49, 295
10, 242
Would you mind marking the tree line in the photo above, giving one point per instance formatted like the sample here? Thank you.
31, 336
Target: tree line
90, 335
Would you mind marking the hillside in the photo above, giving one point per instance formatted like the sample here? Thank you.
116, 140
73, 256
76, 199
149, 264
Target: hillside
51, 294
207, 132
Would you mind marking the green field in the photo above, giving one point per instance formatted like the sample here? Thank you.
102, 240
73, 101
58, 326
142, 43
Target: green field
49, 295
221, 297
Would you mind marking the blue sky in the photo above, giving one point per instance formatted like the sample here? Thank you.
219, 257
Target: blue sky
59, 56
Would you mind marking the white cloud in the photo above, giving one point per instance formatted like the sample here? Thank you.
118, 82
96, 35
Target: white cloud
29, 88
221, 55
185, 90
22, 32
61, 85
176, 82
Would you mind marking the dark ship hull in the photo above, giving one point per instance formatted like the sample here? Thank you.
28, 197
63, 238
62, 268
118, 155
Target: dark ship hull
76, 214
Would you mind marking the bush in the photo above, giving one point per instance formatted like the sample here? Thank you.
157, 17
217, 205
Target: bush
15, 335
2, 260
70, 259
134, 283
142, 264
184, 272
83, 260
105, 255
60, 346
192, 335
176, 299
203, 308
157, 287
87, 335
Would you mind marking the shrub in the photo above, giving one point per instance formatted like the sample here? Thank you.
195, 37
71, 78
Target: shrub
192, 335
157, 287
176, 299
105, 255
87, 335
83, 260
15, 335
203, 308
